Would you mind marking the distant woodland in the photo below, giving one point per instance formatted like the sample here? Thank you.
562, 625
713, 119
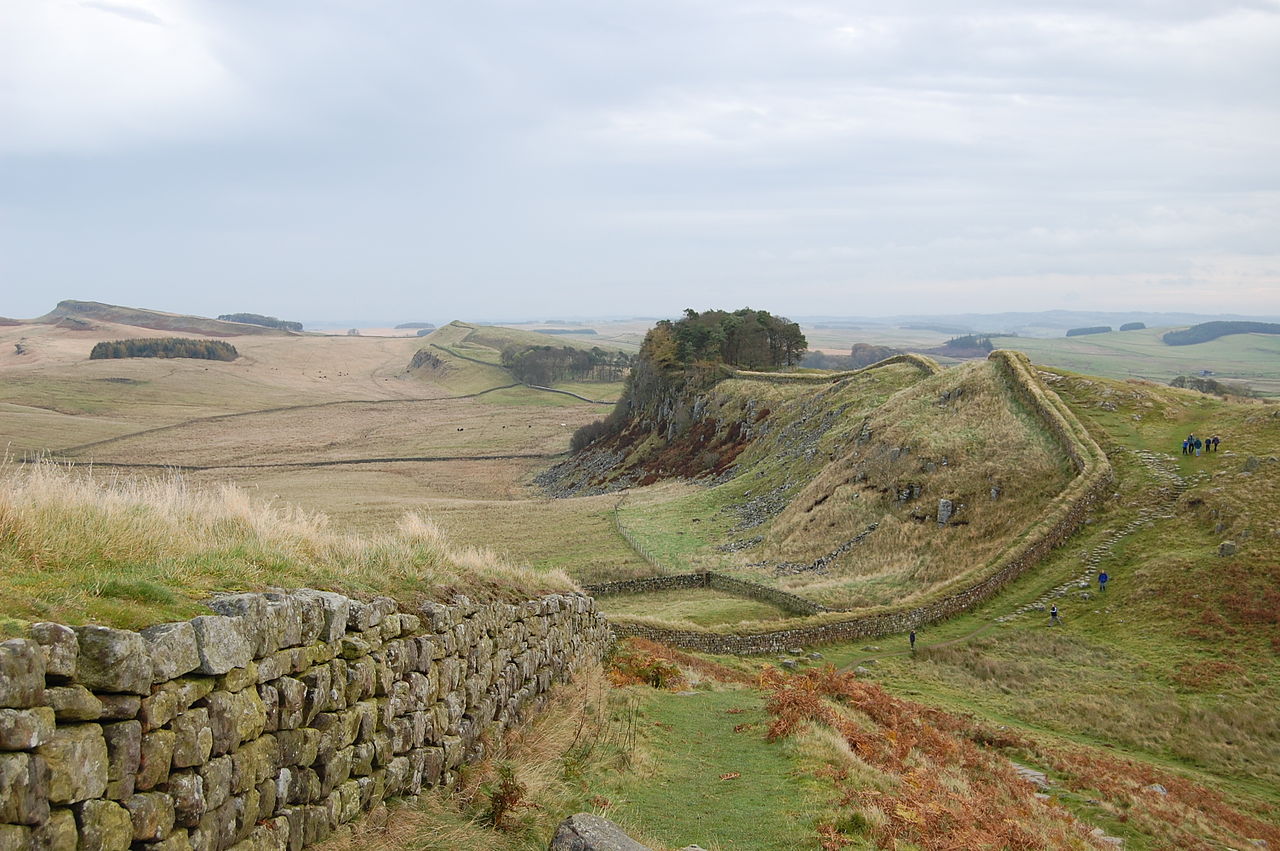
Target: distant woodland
1206, 331
264, 321
546, 365
754, 339
165, 347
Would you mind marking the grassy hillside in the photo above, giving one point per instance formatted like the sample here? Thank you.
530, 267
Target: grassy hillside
832, 490
130, 553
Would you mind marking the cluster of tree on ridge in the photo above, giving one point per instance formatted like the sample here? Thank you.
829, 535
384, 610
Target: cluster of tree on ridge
679, 358
264, 321
545, 365
165, 347
1206, 331
752, 339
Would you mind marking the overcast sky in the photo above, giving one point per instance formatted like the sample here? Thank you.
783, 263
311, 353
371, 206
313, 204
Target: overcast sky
428, 160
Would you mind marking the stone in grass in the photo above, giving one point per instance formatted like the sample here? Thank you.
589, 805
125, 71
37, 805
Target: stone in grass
113, 660
589, 832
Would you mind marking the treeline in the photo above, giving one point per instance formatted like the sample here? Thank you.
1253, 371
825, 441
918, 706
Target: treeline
754, 339
1092, 329
165, 347
546, 365
264, 321
1206, 331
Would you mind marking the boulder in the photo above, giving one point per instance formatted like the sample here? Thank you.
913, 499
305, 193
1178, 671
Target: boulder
588, 832
112, 660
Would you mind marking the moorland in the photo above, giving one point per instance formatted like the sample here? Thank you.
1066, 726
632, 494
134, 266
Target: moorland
1147, 716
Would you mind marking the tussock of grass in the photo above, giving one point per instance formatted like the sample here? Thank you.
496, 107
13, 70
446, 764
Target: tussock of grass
75, 547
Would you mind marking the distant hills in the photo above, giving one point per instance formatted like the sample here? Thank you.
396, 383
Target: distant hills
84, 313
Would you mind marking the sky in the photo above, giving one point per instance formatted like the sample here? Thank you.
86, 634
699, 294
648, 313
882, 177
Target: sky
326, 159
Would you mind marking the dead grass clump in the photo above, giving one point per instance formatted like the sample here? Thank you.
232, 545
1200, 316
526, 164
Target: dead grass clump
75, 547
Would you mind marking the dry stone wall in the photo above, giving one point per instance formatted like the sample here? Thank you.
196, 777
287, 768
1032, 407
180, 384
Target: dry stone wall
267, 725
709, 579
1060, 521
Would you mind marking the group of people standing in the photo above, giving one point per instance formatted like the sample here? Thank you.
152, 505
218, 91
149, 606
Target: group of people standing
1192, 445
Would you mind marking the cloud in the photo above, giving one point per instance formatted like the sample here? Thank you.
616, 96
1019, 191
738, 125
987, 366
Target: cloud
83, 77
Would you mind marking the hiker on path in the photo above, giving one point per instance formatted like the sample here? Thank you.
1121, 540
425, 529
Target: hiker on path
912, 639
1053, 616
1186, 444
1102, 581
1197, 443
1215, 440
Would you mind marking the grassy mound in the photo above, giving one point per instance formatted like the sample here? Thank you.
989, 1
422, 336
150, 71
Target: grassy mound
128, 552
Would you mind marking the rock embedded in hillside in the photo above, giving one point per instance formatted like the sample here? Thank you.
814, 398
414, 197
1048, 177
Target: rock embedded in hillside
112, 660
589, 832
946, 508
1227, 548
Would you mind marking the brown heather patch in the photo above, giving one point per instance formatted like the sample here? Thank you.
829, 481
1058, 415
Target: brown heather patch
950, 786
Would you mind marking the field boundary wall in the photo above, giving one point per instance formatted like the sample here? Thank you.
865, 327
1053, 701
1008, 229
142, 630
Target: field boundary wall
709, 579
269, 724
926, 365
1063, 518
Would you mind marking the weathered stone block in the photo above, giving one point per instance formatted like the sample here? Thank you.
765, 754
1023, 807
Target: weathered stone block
173, 650
155, 755
77, 759
152, 814
254, 762
193, 739
24, 789
260, 628
585, 831
186, 788
238, 679
124, 748
217, 781
60, 649
112, 660
222, 643
298, 747
24, 729
335, 609
187, 690
119, 707
59, 833
235, 717
103, 825
21, 674
176, 841
158, 709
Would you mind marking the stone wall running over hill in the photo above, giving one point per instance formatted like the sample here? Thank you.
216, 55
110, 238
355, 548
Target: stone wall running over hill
926, 365
1064, 516
709, 579
269, 724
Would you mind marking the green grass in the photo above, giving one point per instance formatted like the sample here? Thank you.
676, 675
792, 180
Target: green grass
1252, 358
698, 606
677, 793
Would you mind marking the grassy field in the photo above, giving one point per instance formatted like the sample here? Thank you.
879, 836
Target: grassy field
697, 606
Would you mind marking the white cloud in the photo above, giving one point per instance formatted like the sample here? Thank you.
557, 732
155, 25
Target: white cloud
88, 76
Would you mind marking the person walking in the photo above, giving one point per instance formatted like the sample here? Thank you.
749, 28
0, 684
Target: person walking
1102, 581
1053, 616
1215, 440
1197, 443
912, 639
1186, 443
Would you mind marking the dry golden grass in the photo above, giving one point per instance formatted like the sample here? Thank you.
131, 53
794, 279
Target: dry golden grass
126, 551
